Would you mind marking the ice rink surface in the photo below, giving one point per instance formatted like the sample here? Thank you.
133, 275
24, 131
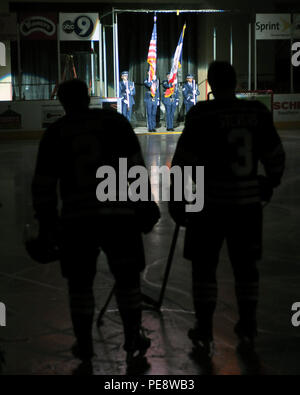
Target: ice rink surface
38, 335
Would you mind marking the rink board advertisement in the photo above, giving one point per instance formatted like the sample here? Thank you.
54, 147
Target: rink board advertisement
78, 26
29, 111
10, 119
51, 113
33, 115
286, 109
37, 115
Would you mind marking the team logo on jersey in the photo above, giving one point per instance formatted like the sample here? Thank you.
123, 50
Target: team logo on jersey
37, 24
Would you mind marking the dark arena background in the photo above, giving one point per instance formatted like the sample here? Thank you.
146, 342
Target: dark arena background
36, 333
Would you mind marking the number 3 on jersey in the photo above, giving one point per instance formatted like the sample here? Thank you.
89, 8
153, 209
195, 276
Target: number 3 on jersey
241, 143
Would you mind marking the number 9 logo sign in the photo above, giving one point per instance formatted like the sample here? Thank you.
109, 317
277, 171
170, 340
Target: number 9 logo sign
83, 26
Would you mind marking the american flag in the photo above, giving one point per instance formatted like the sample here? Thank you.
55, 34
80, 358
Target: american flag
152, 57
177, 60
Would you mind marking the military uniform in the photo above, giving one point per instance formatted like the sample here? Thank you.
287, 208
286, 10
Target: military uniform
229, 138
190, 94
151, 104
127, 97
170, 102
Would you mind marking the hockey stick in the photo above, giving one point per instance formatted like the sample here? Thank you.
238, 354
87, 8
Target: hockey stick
104, 308
168, 267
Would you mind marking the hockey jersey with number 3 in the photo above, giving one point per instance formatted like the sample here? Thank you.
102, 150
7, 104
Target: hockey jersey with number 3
229, 138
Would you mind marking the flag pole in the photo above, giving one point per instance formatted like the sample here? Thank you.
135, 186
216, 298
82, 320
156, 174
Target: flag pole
175, 64
154, 20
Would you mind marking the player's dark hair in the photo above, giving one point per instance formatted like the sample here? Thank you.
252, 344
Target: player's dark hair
73, 94
221, 75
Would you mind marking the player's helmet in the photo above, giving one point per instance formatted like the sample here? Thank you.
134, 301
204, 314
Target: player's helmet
40, 250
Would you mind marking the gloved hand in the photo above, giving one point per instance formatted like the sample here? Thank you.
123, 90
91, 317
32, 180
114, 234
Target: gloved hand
43, 246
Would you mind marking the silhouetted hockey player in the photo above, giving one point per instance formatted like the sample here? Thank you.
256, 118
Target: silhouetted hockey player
70, 152
229, 137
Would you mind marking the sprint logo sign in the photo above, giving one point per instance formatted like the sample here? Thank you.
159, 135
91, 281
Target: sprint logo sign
273, 26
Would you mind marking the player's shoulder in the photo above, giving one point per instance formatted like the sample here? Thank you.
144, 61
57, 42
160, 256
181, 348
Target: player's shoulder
254, 107
202, 106
251, 104
96, 112
58, 122
113, 124
107, 115
54, 128
101, 115
215, 105
100, 112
